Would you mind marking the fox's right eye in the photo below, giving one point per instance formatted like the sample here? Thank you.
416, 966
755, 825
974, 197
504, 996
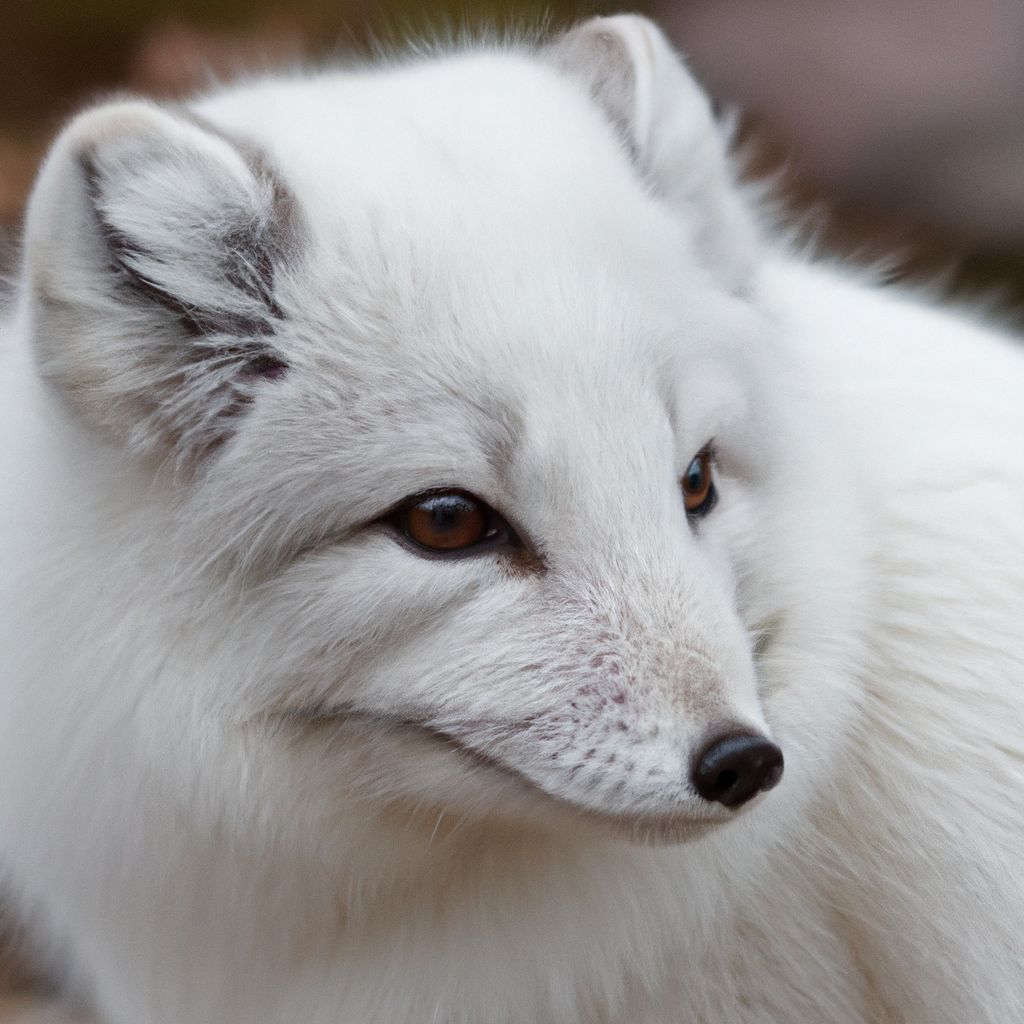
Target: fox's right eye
449, 522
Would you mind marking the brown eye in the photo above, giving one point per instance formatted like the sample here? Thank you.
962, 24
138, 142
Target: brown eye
698, 487
450, 521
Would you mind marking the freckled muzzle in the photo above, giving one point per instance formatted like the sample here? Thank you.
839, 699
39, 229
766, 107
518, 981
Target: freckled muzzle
733, 769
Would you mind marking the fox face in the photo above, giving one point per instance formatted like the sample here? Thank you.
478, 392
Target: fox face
501, 586
478, 489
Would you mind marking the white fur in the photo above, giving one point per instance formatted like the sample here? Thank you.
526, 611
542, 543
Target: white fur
525, 273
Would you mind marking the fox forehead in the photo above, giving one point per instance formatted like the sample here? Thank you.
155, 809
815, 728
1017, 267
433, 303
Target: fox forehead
553, 374
443, 184
491, 126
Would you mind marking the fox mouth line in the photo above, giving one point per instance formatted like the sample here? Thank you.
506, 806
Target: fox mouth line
340, 715
646, 828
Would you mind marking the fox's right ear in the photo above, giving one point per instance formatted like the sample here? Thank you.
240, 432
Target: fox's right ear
153, 252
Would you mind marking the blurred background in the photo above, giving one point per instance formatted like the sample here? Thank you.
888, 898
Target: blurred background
896, 126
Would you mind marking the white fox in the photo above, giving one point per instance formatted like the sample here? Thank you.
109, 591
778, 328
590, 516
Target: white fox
459, 569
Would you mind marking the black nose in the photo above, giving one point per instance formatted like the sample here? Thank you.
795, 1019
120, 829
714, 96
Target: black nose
733, 769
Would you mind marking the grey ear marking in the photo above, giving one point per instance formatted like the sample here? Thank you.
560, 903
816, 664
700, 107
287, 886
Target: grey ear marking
251, 275
665, 121
235, 244
153, 249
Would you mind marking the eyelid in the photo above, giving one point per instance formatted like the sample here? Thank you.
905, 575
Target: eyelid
432, 492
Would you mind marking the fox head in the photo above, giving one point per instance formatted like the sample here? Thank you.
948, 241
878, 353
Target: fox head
471, 477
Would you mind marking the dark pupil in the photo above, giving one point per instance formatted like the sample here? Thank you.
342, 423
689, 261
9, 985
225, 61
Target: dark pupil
695, 476
447, 512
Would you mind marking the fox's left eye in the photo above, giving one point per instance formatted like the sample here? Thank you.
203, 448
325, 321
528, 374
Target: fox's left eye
698, 485
449, 522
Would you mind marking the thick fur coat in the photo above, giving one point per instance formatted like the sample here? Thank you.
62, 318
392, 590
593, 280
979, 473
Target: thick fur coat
265, 759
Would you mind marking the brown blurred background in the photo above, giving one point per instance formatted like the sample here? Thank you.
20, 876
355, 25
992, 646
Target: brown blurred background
898, 125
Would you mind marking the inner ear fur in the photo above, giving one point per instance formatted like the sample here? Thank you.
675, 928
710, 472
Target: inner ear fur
154, 245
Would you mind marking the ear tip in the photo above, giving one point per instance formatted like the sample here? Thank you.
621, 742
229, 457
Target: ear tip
129, 150
109, 121
106, 136
72, 149
630, 47
631, 29
624, 19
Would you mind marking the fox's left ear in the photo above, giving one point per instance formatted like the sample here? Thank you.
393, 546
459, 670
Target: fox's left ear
154, 248
665, 121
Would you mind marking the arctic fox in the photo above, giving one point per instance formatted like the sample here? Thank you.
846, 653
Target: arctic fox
459, 569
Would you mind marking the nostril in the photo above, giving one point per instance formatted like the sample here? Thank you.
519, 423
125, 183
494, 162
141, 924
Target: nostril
733, 769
